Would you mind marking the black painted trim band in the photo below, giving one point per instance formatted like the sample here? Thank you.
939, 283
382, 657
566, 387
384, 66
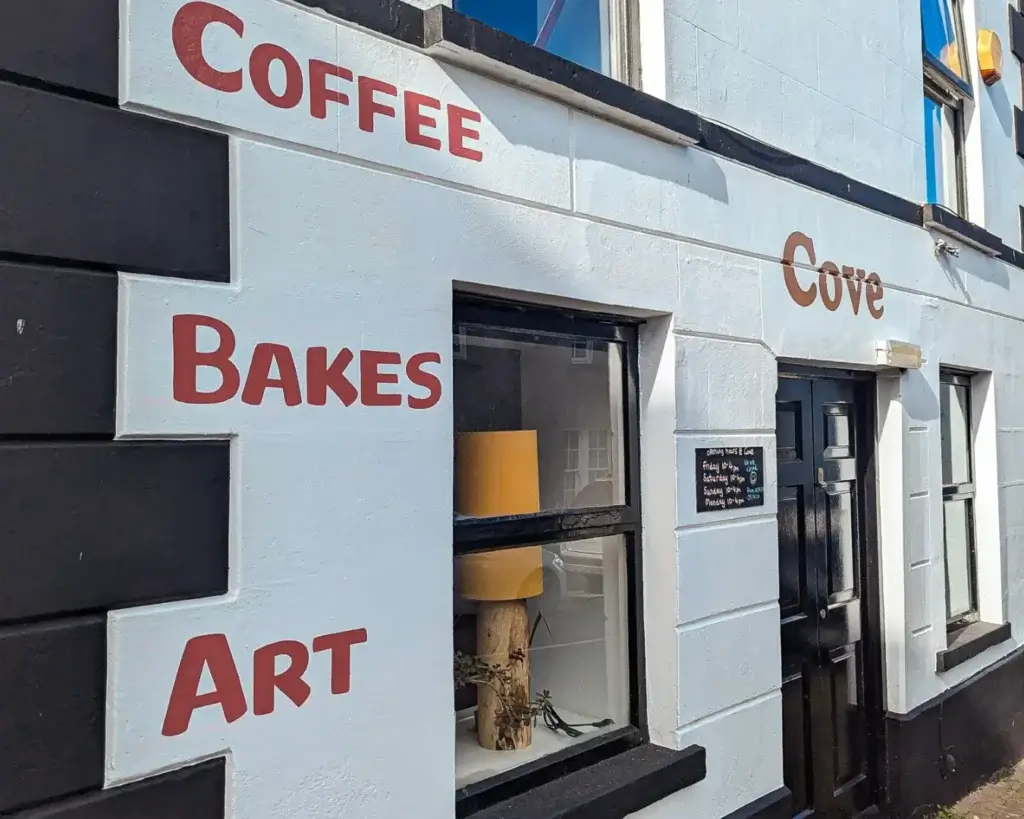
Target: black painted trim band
96, 186
938, 699
97, 525
946, 747
65, 43
89, 523
774, 805
196, 792
1016, 32
51, 724
612, 789
969, 642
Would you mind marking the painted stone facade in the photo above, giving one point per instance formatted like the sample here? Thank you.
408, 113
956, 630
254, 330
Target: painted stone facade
299, 196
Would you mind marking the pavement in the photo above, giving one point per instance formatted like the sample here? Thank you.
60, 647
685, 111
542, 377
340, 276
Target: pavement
1001, 798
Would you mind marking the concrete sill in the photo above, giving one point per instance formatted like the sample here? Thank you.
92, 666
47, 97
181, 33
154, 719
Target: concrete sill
969, 642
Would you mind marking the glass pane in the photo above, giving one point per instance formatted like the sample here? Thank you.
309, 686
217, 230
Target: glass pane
577, 30
538, 423
955, 421
545, 662
939, 34
959, 597
940, 154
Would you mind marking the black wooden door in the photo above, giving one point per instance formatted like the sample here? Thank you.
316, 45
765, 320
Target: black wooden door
828, 674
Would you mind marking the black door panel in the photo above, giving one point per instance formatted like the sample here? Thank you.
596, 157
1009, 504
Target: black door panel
827, 730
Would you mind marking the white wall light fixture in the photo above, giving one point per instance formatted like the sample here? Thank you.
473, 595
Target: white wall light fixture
898, 355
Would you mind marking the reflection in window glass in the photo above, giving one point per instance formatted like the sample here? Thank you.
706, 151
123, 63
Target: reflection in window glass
577, 30
955, 422
939, 32
959, 596
940, 124
537, 427
564, 605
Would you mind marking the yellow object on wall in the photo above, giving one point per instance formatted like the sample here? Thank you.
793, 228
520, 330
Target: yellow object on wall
496, 473
990, 56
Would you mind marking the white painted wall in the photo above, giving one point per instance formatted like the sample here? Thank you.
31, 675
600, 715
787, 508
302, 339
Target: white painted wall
838, 83
995, 172
341, 516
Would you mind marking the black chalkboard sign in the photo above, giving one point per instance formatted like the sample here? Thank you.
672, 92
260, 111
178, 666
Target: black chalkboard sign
730, 478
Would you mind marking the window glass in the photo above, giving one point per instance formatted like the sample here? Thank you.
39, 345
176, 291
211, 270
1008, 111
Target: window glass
562, 608
577, 30
955, 421
939, 33
538, 422
940, 124
959, 596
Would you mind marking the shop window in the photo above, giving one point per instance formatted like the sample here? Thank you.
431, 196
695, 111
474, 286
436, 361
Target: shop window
958, 494
947, 89
591, 33
546, 543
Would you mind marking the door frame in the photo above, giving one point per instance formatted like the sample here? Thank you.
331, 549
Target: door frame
865, 383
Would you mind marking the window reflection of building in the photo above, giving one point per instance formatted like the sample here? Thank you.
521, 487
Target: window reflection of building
588, 461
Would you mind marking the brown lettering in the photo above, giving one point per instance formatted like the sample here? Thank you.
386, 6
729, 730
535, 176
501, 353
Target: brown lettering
805, 298
854, 289
874, 295
828, 280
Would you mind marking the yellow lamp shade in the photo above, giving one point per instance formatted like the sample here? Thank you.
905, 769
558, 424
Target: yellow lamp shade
496, 473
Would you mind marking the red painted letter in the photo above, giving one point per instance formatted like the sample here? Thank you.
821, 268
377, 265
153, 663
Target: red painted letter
368, 106
259, 72
187, 360
340, 645
265, 677
320, 377
319, 93
415, 120
187, 37
421, 378
213, 652
458, 132
259, 381
370, 378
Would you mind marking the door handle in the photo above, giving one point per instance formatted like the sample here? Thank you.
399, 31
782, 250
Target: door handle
821, 476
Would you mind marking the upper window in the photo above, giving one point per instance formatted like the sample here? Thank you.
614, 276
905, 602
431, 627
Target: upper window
546, 545
947, 87
958, 498
591, 33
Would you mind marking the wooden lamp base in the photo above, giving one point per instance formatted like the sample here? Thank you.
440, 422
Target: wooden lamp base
503, 639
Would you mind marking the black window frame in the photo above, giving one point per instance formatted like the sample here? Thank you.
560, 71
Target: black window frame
952, 92
472, 535
961, 492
